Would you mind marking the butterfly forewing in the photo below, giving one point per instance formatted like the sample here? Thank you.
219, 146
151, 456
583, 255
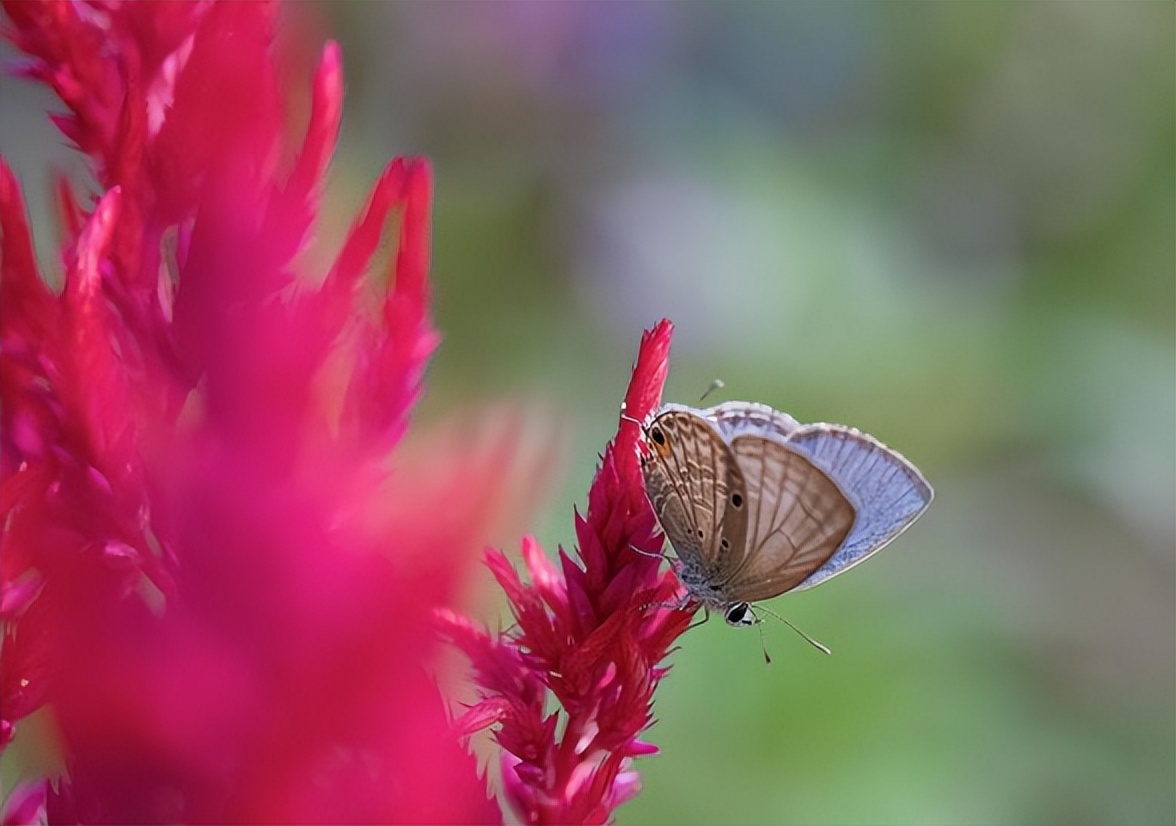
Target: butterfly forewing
692, 481
796, 519
887, 491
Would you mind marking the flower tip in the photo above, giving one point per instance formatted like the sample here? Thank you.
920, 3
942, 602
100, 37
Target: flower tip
543, 573
663, 328
331, 63
626, 786
26, 804
8, 184
644, 392
639, 748
96, 238
328, 88
649, 373
17, 596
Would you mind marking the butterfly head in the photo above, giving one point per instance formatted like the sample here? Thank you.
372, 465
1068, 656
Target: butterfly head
740, 615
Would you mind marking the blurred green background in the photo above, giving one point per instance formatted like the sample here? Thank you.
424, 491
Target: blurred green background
950, 225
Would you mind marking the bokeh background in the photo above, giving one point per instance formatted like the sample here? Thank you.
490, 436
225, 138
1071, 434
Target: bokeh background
950, 225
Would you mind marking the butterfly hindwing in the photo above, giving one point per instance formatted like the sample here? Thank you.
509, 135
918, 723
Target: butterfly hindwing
887, 491
796, 519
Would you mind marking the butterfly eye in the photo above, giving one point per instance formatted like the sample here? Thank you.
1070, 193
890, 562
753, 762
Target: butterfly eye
739, 614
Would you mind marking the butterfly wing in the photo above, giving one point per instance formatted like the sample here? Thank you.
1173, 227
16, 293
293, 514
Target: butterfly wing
796, 519
887, 491
734, 419
691, 480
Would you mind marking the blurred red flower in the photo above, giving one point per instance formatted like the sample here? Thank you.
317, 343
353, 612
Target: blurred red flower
199, 575
210, 576
593, 632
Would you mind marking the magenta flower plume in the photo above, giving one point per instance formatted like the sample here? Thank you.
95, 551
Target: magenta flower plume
209, 579
592, 631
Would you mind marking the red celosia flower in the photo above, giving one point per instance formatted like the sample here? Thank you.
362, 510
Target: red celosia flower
199, 578
592, 632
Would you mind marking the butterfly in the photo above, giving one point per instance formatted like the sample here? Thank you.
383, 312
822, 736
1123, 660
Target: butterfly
756, 504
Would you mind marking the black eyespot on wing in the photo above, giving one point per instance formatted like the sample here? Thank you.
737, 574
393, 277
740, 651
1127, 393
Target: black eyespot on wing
657, 436
700, 533
736, 500
726, 546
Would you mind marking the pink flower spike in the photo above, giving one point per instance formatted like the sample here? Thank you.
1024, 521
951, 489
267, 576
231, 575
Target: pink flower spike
585, 631
211, 583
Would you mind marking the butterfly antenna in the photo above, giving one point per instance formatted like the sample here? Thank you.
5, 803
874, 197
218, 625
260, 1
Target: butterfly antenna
763, 644
814, 643
717, 384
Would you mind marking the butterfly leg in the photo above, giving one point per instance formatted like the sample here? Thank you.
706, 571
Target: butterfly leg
647, 553
705, 617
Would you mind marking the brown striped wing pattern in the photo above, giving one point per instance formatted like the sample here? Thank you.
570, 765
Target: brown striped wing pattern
697, 491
